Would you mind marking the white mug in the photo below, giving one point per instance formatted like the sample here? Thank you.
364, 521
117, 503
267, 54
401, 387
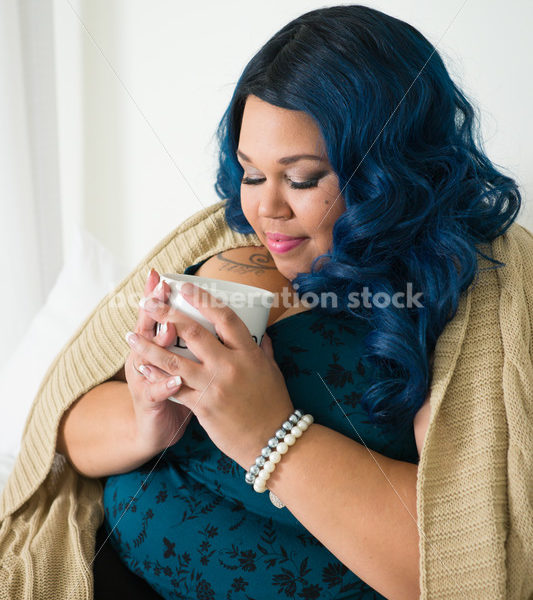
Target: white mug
251, 304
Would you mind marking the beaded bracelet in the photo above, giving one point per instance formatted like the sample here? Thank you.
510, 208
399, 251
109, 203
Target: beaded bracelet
271, 454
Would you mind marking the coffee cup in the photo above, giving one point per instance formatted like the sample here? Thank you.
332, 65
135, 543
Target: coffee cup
251, 304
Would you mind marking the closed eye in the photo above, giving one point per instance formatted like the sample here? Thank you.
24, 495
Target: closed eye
295, 185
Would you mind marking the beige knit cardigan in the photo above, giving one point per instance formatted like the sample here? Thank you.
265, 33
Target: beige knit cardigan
475, 476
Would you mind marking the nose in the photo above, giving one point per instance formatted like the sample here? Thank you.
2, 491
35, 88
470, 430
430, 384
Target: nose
272, 205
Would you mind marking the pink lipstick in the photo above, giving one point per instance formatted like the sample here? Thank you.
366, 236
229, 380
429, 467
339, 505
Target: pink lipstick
281, 243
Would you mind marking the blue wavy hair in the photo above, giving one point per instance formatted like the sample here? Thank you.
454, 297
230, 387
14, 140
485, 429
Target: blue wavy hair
419, 191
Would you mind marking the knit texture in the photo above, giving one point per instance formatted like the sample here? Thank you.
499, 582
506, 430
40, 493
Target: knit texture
474, 487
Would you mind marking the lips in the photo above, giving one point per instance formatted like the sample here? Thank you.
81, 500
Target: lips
279, 247
280, 237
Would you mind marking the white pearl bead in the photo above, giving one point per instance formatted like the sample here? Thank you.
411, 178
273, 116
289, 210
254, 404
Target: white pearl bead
282, 448
275, 456
308, 419
264, 475
303, 425
289, 439
259, 486
269, 466
296, 432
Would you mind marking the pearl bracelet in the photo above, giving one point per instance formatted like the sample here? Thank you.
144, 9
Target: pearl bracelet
271, 454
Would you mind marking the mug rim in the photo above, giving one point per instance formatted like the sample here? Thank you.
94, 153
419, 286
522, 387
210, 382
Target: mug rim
223, 283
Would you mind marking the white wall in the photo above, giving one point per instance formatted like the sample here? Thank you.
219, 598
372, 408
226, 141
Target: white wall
30, 247
141, 86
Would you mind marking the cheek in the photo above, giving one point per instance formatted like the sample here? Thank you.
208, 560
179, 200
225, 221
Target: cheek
247, 209
321, 226
321, 216
334, 208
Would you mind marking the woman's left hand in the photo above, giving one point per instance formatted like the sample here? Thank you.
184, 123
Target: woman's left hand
237, 391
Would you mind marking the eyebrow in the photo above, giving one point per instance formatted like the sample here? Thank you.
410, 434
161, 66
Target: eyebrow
286, 160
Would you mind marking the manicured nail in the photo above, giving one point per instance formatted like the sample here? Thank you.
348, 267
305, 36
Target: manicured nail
174, 399
145, 370
159, 288
174, 382
131, 338
163, 329
149, 273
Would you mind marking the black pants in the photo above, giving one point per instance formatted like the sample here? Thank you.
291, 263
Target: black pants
112, 579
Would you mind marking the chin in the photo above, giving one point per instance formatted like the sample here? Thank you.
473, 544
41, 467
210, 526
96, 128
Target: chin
290, 271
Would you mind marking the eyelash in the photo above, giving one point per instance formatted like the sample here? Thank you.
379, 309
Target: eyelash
295, 185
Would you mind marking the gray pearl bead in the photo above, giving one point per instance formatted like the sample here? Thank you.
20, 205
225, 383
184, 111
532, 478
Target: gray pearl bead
260, 461
294, 419
288, 425
281, 433
249, 478
266, 451
298, 413
254, 470
273, 442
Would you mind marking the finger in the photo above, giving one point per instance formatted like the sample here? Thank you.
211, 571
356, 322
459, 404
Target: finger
151, 281
156, 288
150, 372
151, 354
135, 367
168, 386
145, 325
164, 386
161, 388
228, 325
167, 335
201, 342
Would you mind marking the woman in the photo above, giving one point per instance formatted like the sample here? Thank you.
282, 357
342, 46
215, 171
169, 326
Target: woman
323, 86
397, 193
253, 415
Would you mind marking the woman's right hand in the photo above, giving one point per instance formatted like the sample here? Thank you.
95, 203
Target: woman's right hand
159, 421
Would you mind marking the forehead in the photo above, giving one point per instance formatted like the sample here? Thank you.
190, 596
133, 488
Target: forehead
265, 126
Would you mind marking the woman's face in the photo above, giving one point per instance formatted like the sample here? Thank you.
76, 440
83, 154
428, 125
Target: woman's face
269, 199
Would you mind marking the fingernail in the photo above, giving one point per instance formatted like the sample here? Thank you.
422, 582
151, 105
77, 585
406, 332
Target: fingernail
149, 273
145, 370
131, 338
174, 399
174, 382
163, 329
159, 288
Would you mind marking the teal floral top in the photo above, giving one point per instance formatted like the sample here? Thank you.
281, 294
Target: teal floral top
189, 524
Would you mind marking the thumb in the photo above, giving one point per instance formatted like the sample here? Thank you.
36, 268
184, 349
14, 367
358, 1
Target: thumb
266, 345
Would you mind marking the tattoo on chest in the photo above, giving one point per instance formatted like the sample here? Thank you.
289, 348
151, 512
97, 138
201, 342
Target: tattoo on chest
256, 263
